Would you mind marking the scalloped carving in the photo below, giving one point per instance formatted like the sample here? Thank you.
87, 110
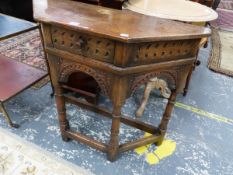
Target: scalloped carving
170, 76
102, 78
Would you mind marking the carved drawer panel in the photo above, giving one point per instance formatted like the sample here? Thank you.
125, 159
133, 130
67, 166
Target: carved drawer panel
83, 44
166, 50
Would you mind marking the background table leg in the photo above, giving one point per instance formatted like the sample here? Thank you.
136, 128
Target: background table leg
7, 117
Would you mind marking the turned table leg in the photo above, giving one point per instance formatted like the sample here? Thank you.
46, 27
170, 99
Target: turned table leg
188, 81
203, 43
197, 63
7, 117
166, 116
118, 97
61, 109
113, 146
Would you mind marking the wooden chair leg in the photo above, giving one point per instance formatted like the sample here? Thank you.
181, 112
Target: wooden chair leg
7, 117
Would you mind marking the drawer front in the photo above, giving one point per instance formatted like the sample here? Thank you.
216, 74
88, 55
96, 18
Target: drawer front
83, 44
165, 51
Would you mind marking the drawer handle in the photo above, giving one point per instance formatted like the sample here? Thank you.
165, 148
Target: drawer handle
80, 43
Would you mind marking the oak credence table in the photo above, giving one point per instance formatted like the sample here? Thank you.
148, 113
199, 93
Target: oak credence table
121, 50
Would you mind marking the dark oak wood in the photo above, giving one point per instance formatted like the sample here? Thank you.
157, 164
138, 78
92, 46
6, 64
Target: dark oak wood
121, 51
112, 24
138, 143
87, 140
124, 119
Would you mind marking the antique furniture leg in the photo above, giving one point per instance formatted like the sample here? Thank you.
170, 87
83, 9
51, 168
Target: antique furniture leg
7, 117
46, 58
64, 124
166, 116
188, 80
197, 62
119, 92
113, 147
154, 83
59, 98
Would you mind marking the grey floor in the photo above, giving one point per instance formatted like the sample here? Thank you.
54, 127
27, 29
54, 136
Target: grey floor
203, 144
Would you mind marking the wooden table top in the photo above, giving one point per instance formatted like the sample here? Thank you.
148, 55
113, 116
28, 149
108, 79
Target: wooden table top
120, 25
16, 77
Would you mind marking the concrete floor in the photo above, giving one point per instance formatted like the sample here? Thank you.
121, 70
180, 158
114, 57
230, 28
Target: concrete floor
203, 140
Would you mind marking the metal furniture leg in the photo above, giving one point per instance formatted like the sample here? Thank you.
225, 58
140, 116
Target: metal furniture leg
7, 117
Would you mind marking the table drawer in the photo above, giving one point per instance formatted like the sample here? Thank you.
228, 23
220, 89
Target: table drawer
83, 44
163, 51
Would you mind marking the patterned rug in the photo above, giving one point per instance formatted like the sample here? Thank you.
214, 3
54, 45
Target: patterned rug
226, 4
221, 59
224, 21
18, 157
26, 48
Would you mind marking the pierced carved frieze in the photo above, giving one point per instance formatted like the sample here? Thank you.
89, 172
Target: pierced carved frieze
165, 50
102, 78
83, 44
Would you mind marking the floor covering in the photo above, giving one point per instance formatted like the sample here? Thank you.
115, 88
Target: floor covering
221, 59
18, 157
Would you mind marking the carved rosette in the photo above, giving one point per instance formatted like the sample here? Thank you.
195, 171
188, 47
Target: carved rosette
102, 78
169, 76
